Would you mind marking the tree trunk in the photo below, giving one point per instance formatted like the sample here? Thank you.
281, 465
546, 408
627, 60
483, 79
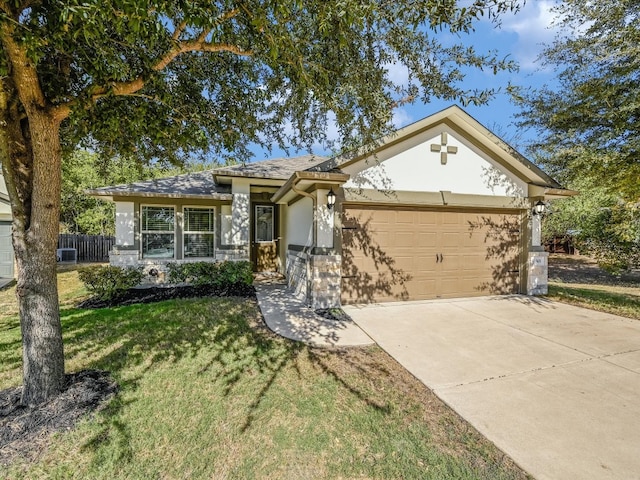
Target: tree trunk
31, 161
35, 235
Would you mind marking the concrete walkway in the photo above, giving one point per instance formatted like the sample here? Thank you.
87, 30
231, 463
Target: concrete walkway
554, 386
290, 318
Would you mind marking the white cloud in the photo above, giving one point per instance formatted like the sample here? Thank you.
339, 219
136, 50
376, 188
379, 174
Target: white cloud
401, 117
535, 26
398, 73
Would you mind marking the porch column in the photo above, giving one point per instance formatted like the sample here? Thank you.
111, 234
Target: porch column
240, 213
324, 266
324, 221
125, 224
536, 231
538, 260
124, 253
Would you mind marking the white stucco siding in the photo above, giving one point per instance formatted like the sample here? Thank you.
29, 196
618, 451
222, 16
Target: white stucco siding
325, 218
125, 224
240, 215
5, 208
299, 223
419, 168
5, 211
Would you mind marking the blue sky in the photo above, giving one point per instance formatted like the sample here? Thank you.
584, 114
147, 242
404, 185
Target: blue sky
521, 37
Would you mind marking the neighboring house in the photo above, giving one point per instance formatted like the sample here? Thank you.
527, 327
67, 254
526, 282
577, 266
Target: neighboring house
6, 248
440, 209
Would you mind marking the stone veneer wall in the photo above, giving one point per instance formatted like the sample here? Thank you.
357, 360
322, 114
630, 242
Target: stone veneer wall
325, 281
130, 258
297, 275
538, 273
314, 279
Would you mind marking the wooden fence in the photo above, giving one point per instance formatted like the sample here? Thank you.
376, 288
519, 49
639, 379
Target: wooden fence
91, 248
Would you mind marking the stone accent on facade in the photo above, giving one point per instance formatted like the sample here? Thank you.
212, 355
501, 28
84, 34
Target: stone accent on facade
538, 273
325, 281
297, 275
123, 258
314, 279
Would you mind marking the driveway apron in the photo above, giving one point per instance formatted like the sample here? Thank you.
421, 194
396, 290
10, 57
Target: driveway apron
556, 387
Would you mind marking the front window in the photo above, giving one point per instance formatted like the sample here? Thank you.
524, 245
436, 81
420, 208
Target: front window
199, 232
264, 223
158, 232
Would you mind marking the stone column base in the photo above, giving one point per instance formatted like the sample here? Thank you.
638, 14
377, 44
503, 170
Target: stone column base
538, 273
325, 279
315, 279
123, 258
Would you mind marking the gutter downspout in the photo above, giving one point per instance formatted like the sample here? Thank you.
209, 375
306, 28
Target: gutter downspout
313, 234
315, 205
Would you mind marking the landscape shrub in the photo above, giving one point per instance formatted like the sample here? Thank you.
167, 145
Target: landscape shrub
220, 275
108, 282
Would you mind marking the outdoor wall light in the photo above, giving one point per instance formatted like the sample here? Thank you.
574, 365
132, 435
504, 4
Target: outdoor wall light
539, 208
331, 199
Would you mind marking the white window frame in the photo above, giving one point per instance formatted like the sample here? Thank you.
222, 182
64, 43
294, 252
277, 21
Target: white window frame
255, 226
165, 232
185, 232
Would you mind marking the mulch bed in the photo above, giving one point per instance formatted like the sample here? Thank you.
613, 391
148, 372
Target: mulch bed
160, 293
334, 314
25, 431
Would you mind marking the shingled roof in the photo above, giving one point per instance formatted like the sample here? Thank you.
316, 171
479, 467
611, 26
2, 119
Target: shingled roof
190, 185
204, 184
276, 168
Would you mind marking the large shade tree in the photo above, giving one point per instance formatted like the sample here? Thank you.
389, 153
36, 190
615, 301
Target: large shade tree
589, 125
155, 79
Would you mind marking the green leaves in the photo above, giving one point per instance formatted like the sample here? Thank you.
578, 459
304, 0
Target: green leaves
596, 107
141, 82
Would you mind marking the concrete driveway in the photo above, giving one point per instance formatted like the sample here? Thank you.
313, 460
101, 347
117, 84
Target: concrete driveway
556, 387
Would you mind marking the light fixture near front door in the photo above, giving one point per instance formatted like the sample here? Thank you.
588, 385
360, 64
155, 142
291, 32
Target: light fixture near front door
331, 199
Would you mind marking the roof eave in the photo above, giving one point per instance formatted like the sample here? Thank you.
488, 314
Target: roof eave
110, 194
331, 178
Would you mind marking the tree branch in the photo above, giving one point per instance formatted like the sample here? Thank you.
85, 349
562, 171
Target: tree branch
178, 31
23, 71
199, 44
133, 86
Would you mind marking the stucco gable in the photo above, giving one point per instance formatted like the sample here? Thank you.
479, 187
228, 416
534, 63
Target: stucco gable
440, 158
477, 161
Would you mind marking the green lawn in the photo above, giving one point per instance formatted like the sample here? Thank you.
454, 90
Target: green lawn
207, 392
619, 300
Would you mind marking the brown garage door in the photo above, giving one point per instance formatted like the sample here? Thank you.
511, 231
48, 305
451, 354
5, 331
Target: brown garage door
414, 254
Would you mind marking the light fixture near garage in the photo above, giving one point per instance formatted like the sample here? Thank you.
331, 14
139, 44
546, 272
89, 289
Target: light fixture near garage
539, 208
331, 199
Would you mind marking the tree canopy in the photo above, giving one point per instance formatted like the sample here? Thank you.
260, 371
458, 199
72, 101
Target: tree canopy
157, 79
589, 127
589, 124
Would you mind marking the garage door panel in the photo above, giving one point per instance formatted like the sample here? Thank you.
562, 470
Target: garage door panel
420, 254
427, 218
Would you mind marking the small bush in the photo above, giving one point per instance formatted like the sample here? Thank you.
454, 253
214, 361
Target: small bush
219, 275
107, 282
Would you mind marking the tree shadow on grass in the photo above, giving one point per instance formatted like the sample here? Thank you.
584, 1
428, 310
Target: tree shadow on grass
233, 353
134, 340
